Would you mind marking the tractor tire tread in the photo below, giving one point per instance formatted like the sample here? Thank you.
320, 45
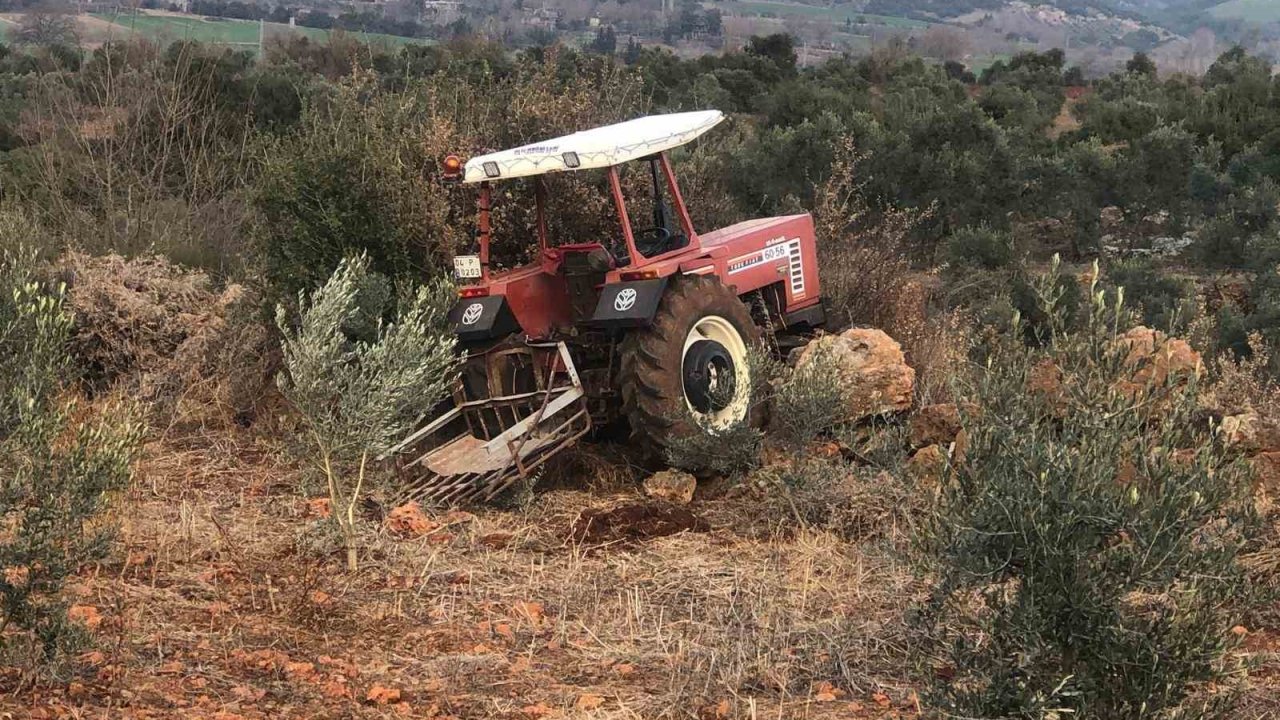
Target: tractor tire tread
650, 371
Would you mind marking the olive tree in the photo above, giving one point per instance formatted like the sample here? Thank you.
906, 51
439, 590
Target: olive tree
360, 382
57, 472
1087, 539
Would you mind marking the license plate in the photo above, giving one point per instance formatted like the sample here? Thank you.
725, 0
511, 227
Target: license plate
466, 266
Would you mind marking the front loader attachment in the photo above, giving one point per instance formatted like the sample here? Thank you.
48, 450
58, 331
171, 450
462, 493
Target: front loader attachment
514, 407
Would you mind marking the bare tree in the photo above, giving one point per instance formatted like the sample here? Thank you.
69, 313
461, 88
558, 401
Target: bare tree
47, 24
944, 43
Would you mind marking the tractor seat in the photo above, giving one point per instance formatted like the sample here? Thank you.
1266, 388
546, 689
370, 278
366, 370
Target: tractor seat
652, 242
584, 272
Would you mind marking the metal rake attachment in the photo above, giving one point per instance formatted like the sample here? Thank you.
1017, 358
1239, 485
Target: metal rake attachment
486, 444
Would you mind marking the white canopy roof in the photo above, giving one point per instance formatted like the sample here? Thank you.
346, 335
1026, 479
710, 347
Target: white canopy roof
597, 148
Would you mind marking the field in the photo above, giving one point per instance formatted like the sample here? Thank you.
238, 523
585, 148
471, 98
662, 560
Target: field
221, 607
223, 30
1258, 11
838, 14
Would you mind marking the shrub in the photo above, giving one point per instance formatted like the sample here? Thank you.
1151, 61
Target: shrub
857, 504
131, 315
360, 171
353, 178
1221, 243
359, 397
724, 451
807, 401
979, 247
865, 253
142, 153
56, 472
1087, 546
163, 333
1165, 301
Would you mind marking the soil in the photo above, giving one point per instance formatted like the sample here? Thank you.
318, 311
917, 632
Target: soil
633, 522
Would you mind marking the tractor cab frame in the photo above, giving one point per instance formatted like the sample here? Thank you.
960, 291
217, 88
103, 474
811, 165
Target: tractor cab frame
672, 230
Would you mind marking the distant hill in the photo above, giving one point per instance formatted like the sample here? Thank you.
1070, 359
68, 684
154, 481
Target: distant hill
935, 9
1251, 11
1176, 15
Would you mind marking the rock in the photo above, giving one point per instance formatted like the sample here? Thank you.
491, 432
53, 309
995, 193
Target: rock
671, 485
960, 448
1127, 474
1044, 381
86, 615
408, 521
1266, 471
1111, 218
935, 425
870, 368
318, 508
381, 695
1155, 359
926, 466
1171, 246
497, 540
1250, 433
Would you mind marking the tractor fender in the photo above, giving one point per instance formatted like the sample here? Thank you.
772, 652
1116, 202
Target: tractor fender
628, 304
482, 318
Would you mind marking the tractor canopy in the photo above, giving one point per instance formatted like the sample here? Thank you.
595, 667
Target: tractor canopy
649, 225
596, 148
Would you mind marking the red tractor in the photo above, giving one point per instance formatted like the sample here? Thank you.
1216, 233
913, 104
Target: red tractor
651, 326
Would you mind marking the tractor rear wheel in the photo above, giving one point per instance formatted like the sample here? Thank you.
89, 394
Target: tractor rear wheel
688, 372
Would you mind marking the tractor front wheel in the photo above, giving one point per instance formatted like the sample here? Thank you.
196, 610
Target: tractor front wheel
689, 371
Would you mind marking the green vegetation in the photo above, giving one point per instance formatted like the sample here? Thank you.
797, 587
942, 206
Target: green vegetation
1088, 542
228, 31
57, 471
834, 13
307, 182
359, 383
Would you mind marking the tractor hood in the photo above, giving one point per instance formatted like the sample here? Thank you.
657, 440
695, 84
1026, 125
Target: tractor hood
597, 148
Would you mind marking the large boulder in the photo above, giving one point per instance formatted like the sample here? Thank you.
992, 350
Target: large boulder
869, 368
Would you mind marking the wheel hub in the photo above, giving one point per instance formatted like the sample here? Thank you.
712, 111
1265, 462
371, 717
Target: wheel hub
709, 376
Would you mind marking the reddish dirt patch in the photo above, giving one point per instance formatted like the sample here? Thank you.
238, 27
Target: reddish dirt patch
635, 522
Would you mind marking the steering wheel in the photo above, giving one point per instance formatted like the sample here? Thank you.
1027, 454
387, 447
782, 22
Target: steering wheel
660, 237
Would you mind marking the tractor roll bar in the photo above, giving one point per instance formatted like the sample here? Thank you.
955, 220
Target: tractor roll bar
484, 205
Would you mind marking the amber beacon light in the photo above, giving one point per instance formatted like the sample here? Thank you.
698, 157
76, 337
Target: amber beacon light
452, 167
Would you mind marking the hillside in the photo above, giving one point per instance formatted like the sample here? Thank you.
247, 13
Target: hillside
1251, 11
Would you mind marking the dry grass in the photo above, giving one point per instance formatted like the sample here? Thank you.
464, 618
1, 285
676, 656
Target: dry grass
227, 597
195, 355
1248, 384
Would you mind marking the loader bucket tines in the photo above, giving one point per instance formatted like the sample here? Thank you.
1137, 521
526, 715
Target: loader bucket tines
498, 434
